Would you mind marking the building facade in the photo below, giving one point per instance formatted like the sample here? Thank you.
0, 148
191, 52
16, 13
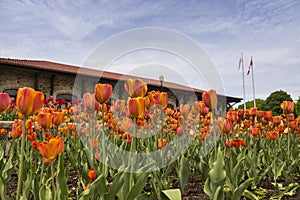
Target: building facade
71, 82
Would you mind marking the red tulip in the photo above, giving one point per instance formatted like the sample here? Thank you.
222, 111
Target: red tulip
4, 102
227, 126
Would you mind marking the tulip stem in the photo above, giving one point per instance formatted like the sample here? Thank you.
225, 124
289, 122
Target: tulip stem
52, 180
20, 174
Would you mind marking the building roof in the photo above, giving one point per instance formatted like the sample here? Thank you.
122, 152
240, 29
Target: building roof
71, 69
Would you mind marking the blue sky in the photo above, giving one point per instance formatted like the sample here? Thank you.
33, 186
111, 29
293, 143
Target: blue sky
68, 31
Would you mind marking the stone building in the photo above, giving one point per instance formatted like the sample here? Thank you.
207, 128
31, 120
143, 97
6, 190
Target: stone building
71, 82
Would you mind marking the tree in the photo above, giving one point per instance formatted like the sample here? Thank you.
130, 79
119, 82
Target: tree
250, 104
297, 107
274, 101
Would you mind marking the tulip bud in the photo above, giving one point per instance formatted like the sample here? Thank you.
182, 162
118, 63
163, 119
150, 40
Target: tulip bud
135, 88
29, 101
287, 107
136, 107
90, 102
4, 102
103, 92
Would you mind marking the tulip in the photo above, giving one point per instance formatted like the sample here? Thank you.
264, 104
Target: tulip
135, 87
277, 120
58, 118
126, 124
203, 109
45, 119
272, 135
287, 107
159, 98
254, 131
213, 98
185, 109
92, 174
49, 150
227, 126
253, 112
136, 107
206, 99
267, 115
4, 102
90, 102
103, 92
16, 131
179, 131
162, 143
29, 101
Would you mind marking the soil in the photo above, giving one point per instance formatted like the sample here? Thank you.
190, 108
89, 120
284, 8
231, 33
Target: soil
193, 189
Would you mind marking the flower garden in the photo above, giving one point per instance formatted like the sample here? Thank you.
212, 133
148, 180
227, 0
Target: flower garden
91, 149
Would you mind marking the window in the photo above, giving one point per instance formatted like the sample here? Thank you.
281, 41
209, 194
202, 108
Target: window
11, 92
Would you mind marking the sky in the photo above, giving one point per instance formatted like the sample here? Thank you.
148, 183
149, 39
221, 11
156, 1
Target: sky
71, 31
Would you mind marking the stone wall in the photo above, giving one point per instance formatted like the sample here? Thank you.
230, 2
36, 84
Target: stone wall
53, 83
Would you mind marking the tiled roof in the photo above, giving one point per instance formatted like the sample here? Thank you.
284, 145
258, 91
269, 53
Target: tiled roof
64, 68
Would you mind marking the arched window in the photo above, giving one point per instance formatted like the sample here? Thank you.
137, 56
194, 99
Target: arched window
11, 92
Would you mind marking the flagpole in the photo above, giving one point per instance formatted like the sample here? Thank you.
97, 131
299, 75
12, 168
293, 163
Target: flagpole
253, 84
243, 81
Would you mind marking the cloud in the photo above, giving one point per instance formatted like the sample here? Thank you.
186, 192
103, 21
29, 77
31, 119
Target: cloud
67, 32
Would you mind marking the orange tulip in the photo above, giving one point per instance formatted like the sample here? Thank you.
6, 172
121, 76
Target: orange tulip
4, 102
49, 150
16, 130
45, 119
254, 131
162, 143
277, 120
287, 107
203, 109
29, 101
135, 87
160, 98
267, 115
92, 174
103, 92
90, 102
272, 135
58, 118
136, 107
213, 98
253, 112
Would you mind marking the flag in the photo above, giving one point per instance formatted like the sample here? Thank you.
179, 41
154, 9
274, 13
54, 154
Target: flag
240, 62
251, 65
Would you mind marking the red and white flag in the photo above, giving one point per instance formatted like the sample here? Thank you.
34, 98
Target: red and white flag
251, 65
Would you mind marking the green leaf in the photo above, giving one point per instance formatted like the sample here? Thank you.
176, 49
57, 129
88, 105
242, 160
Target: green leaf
115, 187
238, 192
184, 172
27, 186
61, 180
173, 194
137, 189
45, 192
250, 195
218, 193
207, 188
3, 189
98, 187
